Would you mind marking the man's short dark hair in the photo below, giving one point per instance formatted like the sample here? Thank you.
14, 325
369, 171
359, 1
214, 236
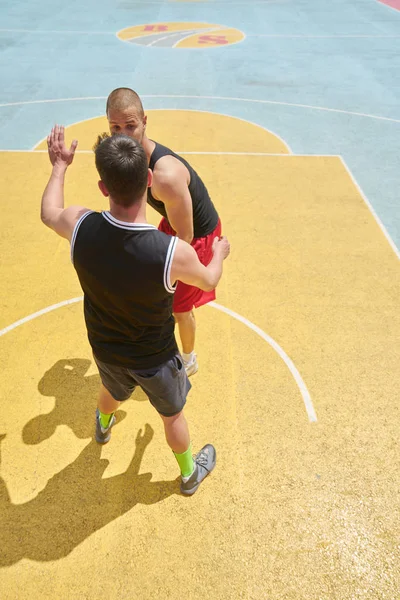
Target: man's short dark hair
122, 99
122, 165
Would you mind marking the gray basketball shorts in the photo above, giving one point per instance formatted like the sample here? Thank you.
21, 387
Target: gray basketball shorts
166, 386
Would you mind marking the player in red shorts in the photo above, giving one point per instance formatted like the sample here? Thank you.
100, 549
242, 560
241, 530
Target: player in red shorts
180, 196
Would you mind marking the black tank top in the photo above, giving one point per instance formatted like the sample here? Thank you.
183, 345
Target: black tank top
124, 271
205, 217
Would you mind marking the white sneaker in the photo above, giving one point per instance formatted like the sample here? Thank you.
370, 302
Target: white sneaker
192, 367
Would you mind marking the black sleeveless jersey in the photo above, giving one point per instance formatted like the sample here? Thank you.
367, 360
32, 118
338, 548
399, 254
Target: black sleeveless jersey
205, 217
124, 271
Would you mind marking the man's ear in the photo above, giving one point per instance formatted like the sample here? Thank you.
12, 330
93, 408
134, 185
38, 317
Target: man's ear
145, 121
103, 189
149, 177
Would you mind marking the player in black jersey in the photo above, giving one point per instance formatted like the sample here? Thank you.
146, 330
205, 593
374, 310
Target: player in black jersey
128, 271
180, 196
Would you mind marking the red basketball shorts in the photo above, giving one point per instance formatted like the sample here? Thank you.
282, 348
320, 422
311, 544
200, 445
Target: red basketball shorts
186, 296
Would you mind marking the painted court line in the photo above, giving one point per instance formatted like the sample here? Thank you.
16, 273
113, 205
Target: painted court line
39, 313
253, 35
208, 112
194, 152
223, 114
166, 37
196, 33
58, 31
289, 363
307, 36
371, 208
360, 191
312, 417
223, 98
273, 102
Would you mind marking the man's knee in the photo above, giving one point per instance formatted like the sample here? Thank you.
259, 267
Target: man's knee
170, 420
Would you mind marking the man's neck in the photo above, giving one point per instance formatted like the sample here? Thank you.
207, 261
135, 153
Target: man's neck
132, 214
148, 146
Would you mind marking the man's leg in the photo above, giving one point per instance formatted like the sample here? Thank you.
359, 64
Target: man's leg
106, 407
187, 332
177, 432
121, 385
167, 391
178, 439
193, 471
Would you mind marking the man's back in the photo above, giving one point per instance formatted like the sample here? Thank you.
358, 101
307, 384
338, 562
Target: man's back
124, 271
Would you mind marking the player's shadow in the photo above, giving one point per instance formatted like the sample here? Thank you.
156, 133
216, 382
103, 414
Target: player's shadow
74, 504
75, 396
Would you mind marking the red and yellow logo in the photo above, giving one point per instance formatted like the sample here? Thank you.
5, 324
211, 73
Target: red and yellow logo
181, 35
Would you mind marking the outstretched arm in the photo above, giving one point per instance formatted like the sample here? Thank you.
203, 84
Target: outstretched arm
53, 214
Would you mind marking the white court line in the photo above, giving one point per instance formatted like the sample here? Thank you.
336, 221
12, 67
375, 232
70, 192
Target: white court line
150, 34
102, 116
197, 32
208, 112
172, 34
57, 31
223, 98
39, 313
289, 363
211, 153
371, 208
220, 114
52, 100
297, 377
328, 37
363, 196
273, 102
168, 33
166, 37
260, 35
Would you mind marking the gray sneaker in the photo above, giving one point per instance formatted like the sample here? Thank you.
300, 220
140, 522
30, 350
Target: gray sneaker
103, 435
204, 463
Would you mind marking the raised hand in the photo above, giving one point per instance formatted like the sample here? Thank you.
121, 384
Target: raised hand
58, 153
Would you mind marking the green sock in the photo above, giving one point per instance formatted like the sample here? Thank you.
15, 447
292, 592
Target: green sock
185, 462
105, 419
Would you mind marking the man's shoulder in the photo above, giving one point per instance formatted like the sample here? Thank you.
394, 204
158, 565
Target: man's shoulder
168, 171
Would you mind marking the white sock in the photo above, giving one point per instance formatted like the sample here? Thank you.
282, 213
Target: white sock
188, 358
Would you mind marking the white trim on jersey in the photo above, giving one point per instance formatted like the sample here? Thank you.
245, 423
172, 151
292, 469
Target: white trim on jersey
75, 232
168, 264
125, 225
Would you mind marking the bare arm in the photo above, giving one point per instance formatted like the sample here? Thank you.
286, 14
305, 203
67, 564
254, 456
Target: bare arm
186, 266
53, 214
170, 185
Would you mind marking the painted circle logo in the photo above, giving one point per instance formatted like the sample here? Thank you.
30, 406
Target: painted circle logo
181, 35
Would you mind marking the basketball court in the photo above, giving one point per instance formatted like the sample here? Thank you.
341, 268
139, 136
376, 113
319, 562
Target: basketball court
290, 114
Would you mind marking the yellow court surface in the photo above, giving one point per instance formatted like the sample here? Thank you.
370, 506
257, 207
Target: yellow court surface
298, 366
181, 35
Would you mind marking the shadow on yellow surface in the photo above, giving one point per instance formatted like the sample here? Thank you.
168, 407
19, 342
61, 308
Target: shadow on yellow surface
75, 394
75, 503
